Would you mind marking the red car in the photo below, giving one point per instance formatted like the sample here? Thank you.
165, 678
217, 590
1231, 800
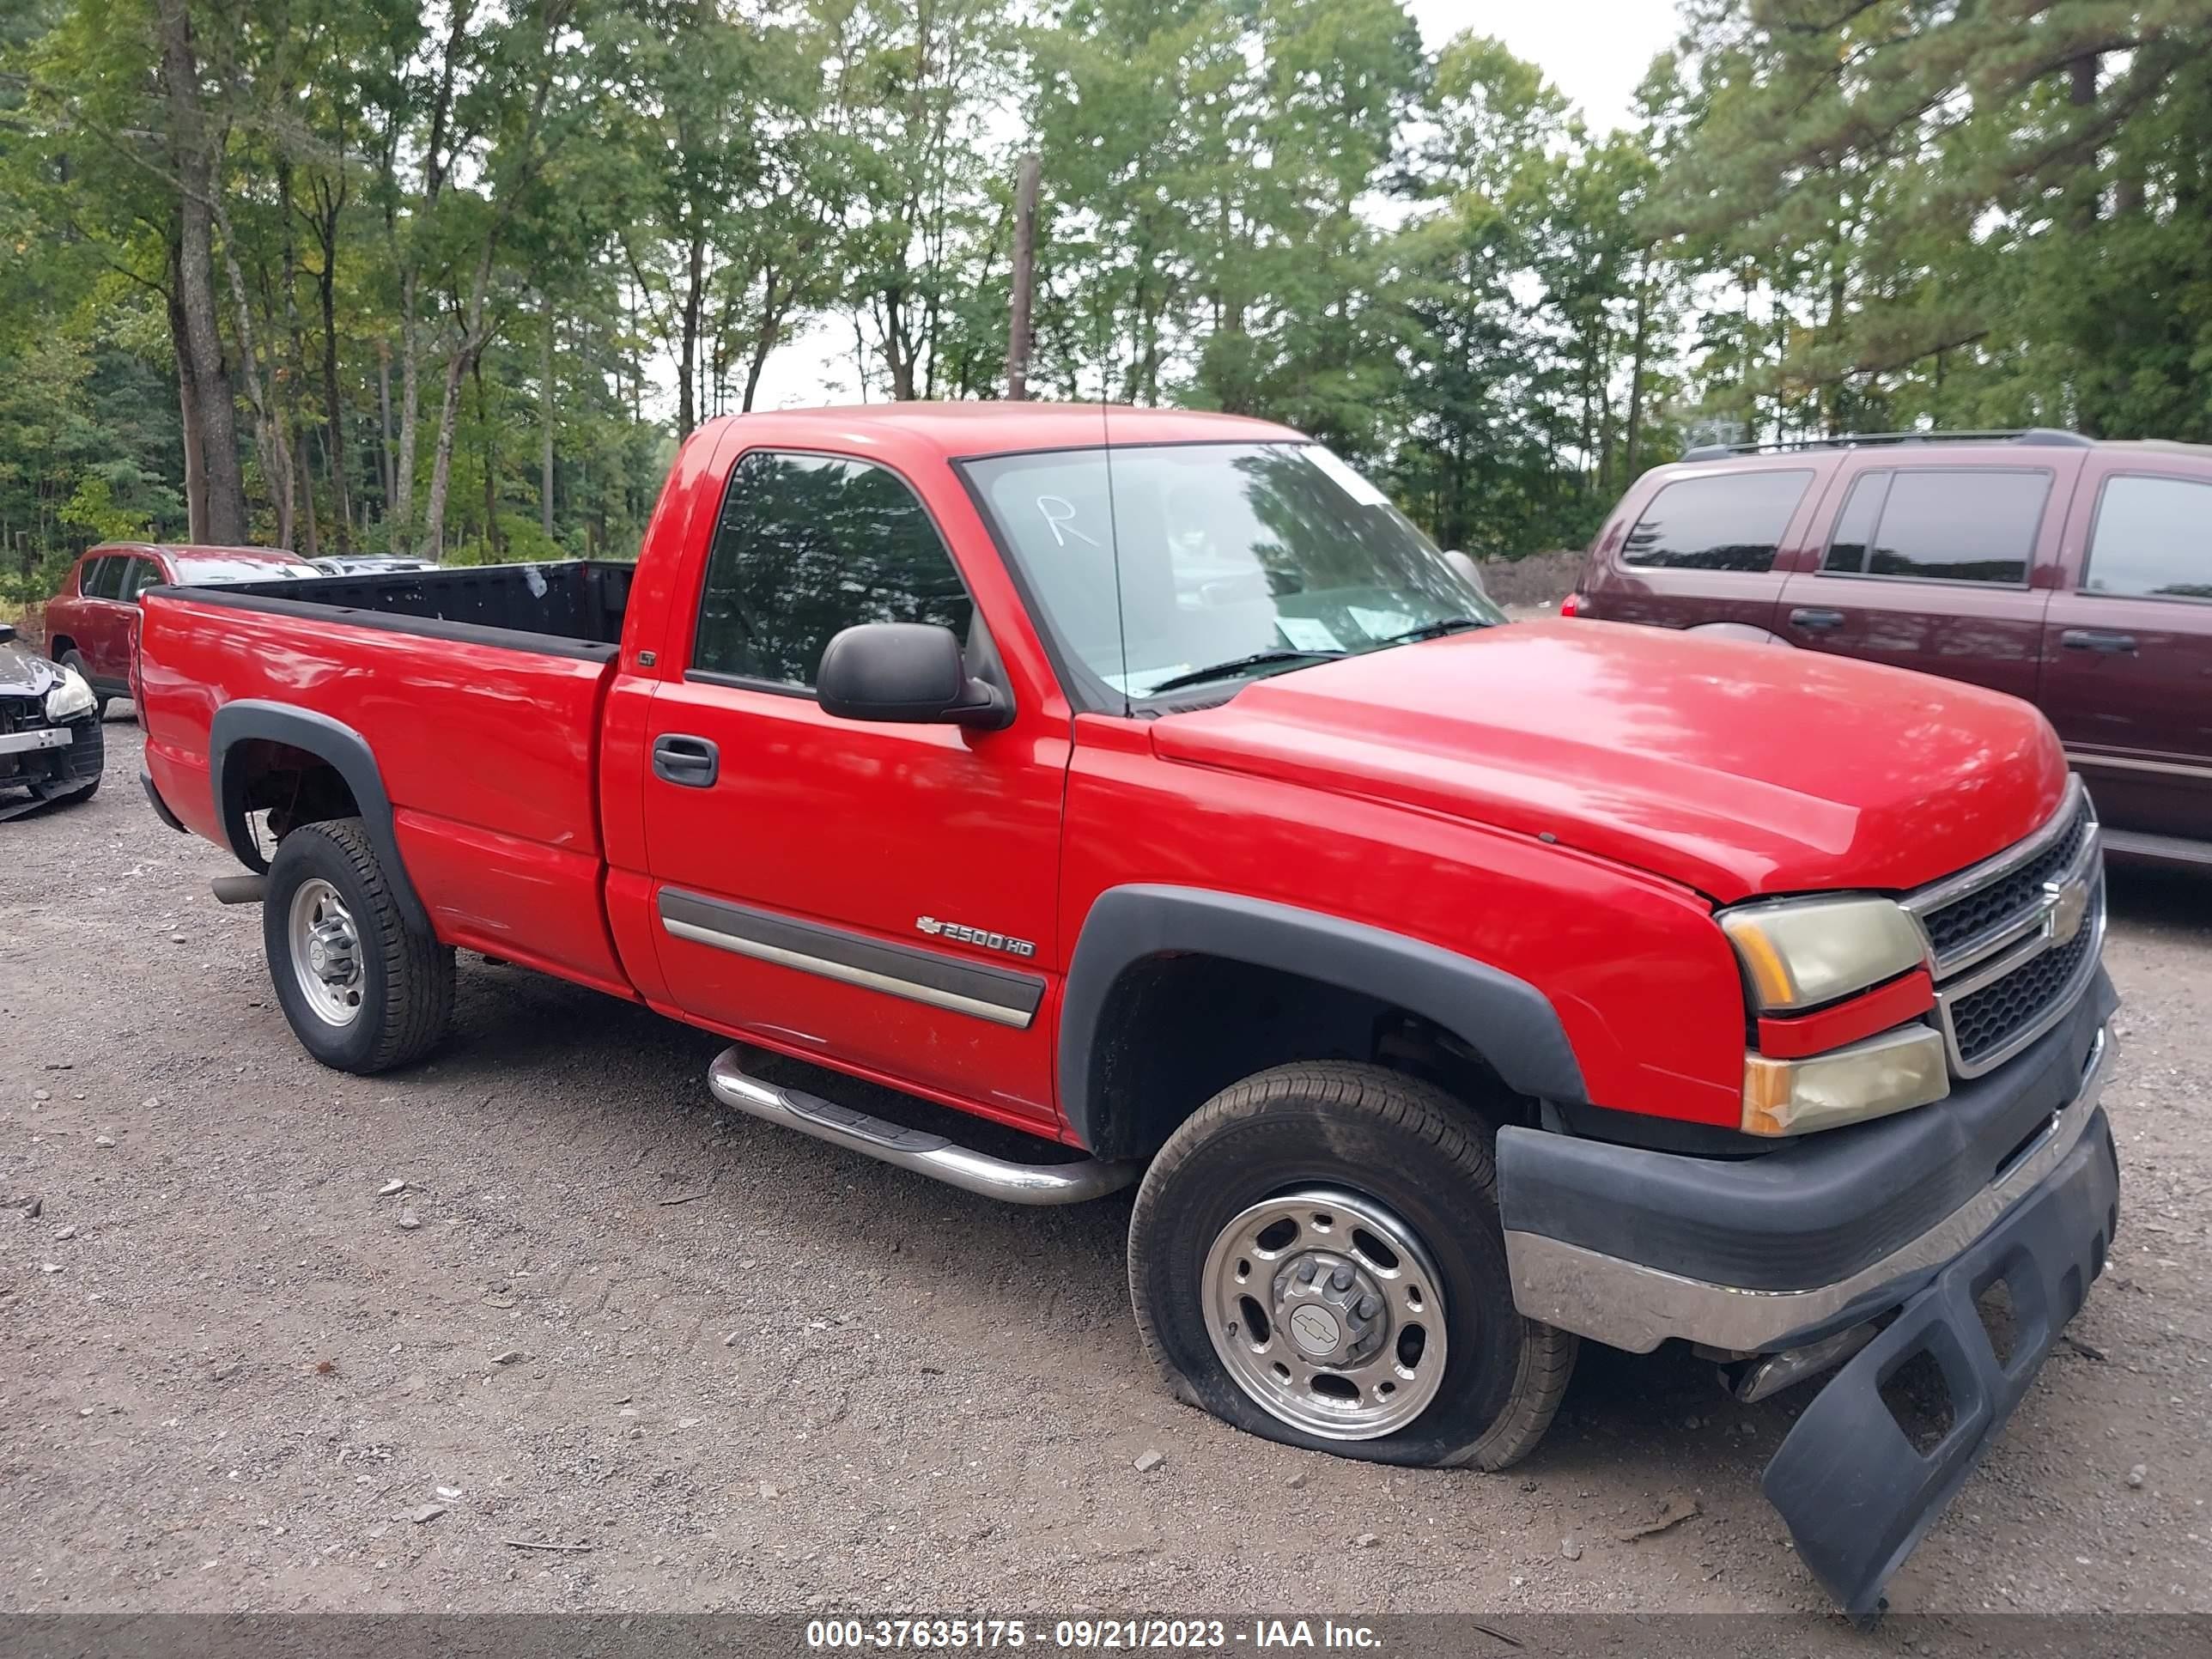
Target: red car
2072, 574
1145, 782
92, 622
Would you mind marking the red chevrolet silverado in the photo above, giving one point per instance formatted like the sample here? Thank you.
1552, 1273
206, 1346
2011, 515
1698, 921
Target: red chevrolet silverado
1145, 782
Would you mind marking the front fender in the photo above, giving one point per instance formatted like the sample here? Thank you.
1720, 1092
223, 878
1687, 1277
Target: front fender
1506, 1020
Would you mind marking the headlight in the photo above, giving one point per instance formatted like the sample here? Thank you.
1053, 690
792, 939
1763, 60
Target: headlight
1802, 953
71, 698
1892, 1073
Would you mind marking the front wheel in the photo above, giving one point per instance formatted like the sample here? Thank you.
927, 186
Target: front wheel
363, 991
1315, 1257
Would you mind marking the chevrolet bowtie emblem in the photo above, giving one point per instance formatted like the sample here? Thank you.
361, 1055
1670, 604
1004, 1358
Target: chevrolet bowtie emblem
2064, 904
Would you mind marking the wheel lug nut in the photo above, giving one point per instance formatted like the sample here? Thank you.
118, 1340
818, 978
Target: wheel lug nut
1370, 1306
1340, 1280
1307, 1272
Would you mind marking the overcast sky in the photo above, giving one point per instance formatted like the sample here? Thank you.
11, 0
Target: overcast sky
1594, 50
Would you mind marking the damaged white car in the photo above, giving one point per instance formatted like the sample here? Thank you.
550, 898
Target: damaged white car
50, 738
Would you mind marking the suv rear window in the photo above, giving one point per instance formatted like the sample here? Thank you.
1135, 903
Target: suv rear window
1940, 524
1732, 522
103, 577
2152, 540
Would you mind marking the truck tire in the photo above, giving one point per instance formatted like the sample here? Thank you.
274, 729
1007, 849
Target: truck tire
363, 991
1315, 1257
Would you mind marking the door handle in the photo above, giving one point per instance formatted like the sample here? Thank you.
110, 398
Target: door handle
2098, 640
1806, 616
691, 762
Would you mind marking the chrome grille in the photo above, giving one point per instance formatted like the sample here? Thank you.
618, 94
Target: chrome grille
2014, 939
1984, 1020
1955, 928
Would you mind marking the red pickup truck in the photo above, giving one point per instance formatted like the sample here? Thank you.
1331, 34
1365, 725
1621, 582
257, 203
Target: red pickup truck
1145, 782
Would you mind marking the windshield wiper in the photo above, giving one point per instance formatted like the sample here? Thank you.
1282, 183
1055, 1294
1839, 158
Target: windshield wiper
1237, 665
1437, 629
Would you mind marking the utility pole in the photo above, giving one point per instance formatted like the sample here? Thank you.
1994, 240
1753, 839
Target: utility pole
1017, 326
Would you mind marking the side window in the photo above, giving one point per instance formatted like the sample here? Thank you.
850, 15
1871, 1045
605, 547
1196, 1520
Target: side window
1959, 525
1732, 522
103, 578
144, 573
807, 545
1854, 531
2153, 540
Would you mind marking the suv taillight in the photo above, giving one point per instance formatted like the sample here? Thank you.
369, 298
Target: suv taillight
1572, 605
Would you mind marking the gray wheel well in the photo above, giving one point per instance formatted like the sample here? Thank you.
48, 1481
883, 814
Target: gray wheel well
1177, 1029
302, 767
293, 786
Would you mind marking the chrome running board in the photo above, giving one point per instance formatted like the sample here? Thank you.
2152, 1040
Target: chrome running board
917, 1150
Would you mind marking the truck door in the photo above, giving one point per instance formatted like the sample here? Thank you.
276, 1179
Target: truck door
2127, 662
880, 894
1929, 567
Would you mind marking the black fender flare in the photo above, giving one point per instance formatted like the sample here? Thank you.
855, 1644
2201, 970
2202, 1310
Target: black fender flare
347, 752
1505, 1019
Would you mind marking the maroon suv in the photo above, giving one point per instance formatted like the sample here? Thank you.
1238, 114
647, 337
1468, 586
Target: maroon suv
2074, 573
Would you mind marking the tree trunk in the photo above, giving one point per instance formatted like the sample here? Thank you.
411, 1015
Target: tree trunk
383, 418
545, 440
1025, 277
310, 545
268, 432
493, 547
1640, 342
442, 460
188, 402
201, 342
468, 345
334, 446
686, 356
401, 509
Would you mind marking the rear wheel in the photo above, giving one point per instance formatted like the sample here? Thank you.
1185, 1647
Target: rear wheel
363, 990
1315, 1257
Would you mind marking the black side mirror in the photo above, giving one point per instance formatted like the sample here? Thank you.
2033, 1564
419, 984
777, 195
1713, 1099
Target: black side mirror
907, 672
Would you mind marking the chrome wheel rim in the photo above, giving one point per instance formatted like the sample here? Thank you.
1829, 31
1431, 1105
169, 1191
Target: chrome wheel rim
1326, 1310
326, 946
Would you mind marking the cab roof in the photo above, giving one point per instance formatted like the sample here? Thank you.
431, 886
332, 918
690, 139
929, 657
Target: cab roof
998, 427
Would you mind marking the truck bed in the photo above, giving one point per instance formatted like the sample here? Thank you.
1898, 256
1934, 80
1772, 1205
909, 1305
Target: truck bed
570, 608
476, 691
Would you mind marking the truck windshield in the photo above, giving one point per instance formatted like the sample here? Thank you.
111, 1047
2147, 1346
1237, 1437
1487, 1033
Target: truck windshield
1184, 565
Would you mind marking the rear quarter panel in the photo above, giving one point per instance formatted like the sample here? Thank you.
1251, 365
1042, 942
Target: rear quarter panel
487, 755
1669, 596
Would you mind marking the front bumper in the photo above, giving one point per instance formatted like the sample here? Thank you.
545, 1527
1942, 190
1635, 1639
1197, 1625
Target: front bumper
1631, 1247
51, 760
1907, 1256
1858, 1494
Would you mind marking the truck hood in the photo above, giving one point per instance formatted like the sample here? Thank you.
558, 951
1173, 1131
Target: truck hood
1735, 769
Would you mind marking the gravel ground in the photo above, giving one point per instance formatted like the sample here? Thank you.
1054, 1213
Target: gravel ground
238, 1376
